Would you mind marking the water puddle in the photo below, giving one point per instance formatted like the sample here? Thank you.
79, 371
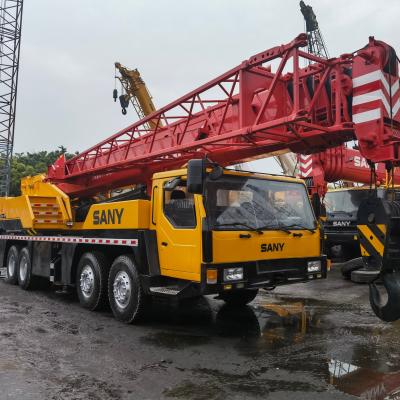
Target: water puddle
317, 343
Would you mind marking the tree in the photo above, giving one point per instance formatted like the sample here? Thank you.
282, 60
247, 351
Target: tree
32, 164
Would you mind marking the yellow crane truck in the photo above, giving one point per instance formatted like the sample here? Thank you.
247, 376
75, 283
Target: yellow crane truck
230, 235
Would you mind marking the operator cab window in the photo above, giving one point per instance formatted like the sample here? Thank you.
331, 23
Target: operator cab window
179, 207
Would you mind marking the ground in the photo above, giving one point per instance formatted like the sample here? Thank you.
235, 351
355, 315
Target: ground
318, 340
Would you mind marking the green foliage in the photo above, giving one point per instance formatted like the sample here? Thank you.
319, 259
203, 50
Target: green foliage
32, 164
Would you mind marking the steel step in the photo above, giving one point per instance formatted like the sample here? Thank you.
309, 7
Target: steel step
166, 290
3, 272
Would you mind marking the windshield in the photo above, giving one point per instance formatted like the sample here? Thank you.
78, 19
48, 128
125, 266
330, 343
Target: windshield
242, 203
346, 200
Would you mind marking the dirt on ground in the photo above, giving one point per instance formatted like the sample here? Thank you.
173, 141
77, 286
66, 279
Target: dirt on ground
318, 340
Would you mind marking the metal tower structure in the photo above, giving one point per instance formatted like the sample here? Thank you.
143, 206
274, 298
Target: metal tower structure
316, 44
10, 40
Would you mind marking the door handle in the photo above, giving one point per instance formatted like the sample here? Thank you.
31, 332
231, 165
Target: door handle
297, 234
245, 236
165, 244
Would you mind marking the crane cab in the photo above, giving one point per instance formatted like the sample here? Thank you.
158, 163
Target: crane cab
233, 232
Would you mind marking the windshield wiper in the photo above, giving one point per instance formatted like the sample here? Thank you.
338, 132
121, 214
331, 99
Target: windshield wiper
301, 227
252, 228
276, 227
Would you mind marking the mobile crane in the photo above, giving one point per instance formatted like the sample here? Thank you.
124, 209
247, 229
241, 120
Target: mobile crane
191, 226
136, 92
341, 204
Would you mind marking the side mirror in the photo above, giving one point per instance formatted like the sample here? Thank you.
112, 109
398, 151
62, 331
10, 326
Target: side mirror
195, 176
317, 205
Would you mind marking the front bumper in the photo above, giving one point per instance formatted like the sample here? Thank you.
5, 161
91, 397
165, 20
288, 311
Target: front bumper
334, 238
263, 274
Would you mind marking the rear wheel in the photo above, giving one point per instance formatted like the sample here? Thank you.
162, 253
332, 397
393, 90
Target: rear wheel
25, 278
239, 297
12, 265
91, 280
125, 292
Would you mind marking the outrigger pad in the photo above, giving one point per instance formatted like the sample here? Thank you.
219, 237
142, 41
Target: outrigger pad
390, 311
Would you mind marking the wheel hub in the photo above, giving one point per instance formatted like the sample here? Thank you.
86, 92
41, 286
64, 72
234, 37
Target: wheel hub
11, 265
23, 268
87, 281
122, 289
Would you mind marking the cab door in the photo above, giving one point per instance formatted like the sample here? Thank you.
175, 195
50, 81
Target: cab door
178, 225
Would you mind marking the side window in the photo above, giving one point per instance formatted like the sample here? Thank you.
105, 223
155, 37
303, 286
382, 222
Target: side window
179, 207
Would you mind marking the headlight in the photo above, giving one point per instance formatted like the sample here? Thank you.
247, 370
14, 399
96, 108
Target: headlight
314, 266
233, 274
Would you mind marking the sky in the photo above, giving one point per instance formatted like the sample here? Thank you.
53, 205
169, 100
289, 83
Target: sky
69, 48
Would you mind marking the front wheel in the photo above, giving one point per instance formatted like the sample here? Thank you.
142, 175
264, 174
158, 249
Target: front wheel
125, 292
239, 297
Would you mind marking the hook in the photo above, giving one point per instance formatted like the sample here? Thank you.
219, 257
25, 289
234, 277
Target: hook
391, 310
124, 110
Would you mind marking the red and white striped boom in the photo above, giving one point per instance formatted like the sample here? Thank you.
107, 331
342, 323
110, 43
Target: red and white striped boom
251, 111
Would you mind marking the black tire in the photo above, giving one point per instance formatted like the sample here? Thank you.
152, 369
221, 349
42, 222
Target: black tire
348, 267
239, 297
130, 307
91, 280
12, 265
26, 280
364, 275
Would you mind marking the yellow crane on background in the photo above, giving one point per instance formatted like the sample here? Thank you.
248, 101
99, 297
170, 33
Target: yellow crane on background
136, 92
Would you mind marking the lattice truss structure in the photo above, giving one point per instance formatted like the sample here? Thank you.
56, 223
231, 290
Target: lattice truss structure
244, 114
10, 40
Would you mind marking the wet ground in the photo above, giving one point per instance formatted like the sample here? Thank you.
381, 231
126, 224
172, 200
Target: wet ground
310, 341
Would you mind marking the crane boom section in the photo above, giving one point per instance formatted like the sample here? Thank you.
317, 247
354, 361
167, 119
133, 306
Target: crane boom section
247, 112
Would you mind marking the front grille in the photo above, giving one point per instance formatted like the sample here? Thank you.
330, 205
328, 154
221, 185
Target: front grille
281, 267
331, 228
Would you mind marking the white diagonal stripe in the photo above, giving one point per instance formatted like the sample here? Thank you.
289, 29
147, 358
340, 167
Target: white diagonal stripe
396, 107
376, 76
306, 173
367, 116
305, 165
305, 157
371, 77
372, 96
395, 87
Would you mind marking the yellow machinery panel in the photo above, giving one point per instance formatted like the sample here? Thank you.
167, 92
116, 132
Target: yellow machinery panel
41, 206
17, 208
228, 247
130, 214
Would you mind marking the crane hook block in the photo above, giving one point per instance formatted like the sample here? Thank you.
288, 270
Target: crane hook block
124, 100
115, 95
391, 310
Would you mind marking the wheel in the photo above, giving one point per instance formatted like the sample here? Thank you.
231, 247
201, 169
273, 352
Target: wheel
91, 280
12, 265
352, 265
125, 292
25, 278
364, 275
239, 297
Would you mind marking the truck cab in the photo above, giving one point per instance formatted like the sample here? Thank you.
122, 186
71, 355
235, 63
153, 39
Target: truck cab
236, 232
